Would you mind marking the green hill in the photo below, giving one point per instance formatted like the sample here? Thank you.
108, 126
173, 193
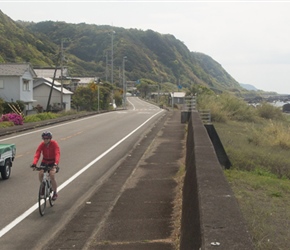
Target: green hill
87, 50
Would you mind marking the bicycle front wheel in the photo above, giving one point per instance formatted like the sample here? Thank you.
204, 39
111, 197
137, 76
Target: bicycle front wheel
51, 201
42, 198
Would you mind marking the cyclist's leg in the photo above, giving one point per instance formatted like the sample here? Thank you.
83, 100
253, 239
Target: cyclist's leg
40, 175
52, 179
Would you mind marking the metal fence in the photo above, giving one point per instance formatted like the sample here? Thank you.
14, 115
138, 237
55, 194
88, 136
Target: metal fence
189, 103
205, 116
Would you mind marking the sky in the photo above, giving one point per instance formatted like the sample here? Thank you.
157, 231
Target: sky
250, 39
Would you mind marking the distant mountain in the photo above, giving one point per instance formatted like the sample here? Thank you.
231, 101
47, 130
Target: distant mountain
248, 86
87, 51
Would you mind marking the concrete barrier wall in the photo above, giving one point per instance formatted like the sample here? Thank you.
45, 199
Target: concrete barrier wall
211, 216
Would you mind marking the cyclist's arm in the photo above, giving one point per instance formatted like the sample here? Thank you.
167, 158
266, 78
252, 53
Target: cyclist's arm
56, 152
37, 154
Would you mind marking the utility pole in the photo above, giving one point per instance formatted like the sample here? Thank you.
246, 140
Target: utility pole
61, 63
120, 76
50, 93
124, 83
106, 66
98, 98
112, 57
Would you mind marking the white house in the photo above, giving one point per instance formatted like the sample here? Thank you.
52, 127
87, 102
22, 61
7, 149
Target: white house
16, 83
42, 89
177, 97
70, 83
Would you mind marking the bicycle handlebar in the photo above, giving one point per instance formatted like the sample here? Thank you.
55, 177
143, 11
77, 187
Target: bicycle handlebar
45, 168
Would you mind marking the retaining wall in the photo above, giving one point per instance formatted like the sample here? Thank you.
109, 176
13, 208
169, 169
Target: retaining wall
211, 216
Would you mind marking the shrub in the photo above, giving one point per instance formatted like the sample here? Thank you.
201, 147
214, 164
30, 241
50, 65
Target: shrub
31, 118
12, 117
40, 117
47, 115
1, 106
250, 146
227, 107
268, 111
13, 107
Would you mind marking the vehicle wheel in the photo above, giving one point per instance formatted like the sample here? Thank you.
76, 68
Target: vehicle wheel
42, 198
6, 170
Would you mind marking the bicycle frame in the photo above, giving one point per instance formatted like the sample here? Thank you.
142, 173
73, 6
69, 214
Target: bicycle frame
45, 189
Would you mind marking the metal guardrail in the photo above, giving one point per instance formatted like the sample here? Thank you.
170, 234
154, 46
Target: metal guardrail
205, 116
189, 103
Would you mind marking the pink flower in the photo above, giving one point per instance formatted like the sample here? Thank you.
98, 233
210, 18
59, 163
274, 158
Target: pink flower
12, 117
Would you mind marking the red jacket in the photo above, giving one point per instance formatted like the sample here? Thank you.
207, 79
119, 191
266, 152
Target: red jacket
50, 153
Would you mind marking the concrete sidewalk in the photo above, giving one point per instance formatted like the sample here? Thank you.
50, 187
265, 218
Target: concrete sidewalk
142, 217
133, 209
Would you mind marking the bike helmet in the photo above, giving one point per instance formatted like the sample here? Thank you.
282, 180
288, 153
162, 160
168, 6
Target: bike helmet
46, 135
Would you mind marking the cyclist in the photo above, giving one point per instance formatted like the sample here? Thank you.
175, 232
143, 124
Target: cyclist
50, 157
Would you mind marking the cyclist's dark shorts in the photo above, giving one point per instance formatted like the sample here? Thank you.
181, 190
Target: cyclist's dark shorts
47, 164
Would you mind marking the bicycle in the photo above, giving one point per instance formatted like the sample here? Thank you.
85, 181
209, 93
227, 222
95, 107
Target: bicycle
45, 189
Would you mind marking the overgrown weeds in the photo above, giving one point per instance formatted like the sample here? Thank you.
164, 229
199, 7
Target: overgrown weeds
6, 124
257, 142
265, 203
252, 146
40, 117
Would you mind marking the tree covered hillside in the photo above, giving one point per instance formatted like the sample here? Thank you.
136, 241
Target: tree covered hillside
87, 50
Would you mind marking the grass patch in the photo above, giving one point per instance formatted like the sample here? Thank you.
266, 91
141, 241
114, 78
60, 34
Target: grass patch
40, 117
257, 142
6, 124
250, 146
265, 203
260, 178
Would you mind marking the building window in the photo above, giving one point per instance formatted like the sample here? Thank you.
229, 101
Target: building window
1, 84
25, 85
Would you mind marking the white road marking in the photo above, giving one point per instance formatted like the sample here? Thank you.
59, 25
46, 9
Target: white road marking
63, 185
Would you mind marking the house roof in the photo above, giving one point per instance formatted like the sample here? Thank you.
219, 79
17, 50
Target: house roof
85, 80
178, 94
49, 72
41, 80
57, 86
16, 69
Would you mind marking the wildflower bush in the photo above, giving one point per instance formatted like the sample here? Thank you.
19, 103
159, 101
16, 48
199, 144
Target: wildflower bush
12, 117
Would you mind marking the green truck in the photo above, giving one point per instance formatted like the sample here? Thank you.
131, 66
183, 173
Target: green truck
7, 155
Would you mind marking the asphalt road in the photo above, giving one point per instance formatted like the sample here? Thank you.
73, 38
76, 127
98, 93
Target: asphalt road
91, 149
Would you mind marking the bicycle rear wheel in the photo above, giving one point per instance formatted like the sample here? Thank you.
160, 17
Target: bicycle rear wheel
42, 198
